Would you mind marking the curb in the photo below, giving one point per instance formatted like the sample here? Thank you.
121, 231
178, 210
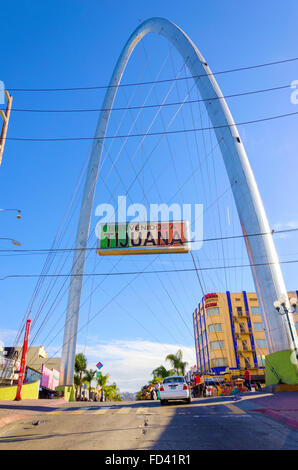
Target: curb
11, 419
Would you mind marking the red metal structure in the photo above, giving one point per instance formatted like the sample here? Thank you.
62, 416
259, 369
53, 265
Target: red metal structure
23, 361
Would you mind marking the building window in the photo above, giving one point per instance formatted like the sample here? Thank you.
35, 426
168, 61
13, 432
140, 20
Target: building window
261, 343
239, 311
219, 362
213, 311
247, 363
255, 310
217, 344
215, 327
258, 327
261, 360
296, 325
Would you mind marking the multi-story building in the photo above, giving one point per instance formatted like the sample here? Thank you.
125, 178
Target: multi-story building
229, 333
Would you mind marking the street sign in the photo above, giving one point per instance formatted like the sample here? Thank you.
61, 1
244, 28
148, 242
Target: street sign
144, 238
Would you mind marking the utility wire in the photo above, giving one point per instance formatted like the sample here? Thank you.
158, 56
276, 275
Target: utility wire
150, 106
203, 240
99, 87
178, 131
127, 273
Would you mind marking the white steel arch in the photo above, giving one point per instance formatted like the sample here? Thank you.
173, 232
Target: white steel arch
267, 277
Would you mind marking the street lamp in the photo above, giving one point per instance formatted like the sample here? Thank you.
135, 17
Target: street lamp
14, 242
17, 210
281, 307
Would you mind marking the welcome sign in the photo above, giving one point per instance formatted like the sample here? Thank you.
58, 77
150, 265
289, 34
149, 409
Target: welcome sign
144, 238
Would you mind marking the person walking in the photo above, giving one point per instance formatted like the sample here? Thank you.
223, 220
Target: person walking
247, 379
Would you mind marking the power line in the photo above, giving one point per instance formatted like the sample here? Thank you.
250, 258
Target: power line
203, 240
178, 131
150, 106
99, 87
128, 273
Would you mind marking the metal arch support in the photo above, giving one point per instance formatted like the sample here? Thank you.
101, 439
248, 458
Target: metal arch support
268, 278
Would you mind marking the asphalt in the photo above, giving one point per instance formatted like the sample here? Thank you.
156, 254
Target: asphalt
281, 407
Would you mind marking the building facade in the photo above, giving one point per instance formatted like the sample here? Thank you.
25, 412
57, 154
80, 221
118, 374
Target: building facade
229, 333
10, 359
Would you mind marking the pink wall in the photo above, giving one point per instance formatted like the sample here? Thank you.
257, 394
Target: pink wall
49, 378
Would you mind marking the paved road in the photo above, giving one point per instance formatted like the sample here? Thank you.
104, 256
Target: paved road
204, 424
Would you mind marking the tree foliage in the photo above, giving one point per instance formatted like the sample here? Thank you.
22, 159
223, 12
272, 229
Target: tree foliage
88, 377
80, 368
162, 372
177, 363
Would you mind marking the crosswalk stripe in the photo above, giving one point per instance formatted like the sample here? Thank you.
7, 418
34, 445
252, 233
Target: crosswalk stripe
123, 411
105, 411
142, 410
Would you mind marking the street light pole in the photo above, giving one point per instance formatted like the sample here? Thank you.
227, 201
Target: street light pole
282, 308
14, 242
16, 210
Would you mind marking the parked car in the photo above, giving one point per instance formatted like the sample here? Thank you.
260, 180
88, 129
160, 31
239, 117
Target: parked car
174, 387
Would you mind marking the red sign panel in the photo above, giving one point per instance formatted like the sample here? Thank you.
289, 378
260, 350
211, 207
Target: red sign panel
210, 296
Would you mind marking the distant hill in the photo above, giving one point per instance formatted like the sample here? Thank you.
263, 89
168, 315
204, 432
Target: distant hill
127, 396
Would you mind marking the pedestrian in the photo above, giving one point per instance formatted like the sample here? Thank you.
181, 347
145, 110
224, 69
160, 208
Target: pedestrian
247, 379
102, 395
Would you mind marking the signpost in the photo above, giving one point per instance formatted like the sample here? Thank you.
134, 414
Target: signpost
23, 361
144, 238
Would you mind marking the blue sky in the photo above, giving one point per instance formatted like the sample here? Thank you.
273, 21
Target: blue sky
76, 44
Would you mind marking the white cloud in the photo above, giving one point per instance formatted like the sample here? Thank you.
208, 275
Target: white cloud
284, 226
130, 363
7, 337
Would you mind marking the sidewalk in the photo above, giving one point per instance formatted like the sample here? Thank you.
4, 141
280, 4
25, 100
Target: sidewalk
11, 411
282, 406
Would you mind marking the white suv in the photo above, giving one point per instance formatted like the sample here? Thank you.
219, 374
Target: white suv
174, 388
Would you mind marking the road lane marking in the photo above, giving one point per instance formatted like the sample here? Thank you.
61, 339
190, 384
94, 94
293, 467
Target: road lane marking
231, 415
123, 411
235, 409
142, 410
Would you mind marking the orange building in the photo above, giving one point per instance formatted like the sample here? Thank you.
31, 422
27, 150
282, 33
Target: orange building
229, 333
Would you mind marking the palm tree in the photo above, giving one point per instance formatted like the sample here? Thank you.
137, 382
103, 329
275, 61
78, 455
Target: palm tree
162, 372
177, 363
80, 367
76, 381
88, 377
112, 392
156, 379
102, 381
